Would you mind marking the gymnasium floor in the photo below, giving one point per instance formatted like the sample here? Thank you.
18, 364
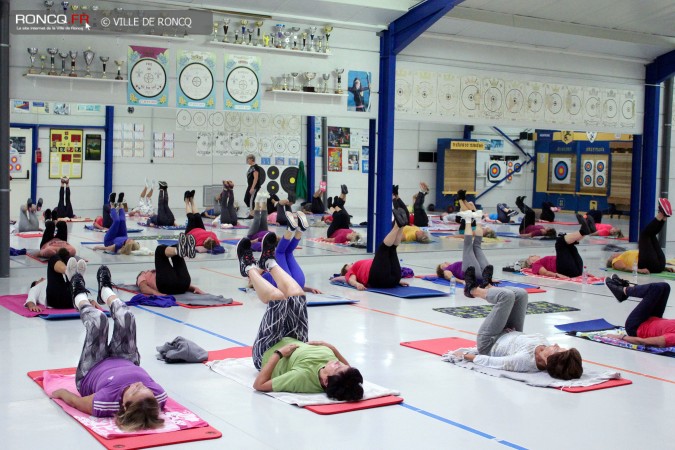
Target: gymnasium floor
445, 406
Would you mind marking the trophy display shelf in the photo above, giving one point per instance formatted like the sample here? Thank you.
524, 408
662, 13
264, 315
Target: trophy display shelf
118, 35
261, 48
96, 77
305, 93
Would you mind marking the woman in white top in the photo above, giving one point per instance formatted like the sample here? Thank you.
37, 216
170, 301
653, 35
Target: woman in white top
503, 345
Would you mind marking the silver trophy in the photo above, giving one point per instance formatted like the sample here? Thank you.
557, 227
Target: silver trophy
243, 22
65, 4
319, 46
42, 64
295, 31
119, 63
73, 57
284, 83
49, 4
249, 31
309, 76
295, 76
304, 42
63, 56
89, 55
279, 36
326, 77
287, 39
215, 32
52, 53
312, 33
104, 61
327, 30
32, 51
339, 73
275, 86
226, 28
259, 25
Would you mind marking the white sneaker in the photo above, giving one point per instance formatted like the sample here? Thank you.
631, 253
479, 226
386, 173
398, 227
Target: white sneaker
226, 225
81, 267
71, 268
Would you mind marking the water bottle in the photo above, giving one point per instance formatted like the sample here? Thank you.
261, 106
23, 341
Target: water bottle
584, 276
453, 286
635, 272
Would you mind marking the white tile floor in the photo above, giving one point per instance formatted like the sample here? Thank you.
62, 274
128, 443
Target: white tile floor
445, 406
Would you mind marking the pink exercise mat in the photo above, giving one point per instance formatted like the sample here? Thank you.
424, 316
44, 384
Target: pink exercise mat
15, 304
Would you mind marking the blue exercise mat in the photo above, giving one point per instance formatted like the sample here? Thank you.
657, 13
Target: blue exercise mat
66, 316
167, 242
129, 230
503, 283
586, 326
400, 291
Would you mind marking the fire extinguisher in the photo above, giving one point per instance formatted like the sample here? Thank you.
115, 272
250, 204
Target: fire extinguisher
38, 155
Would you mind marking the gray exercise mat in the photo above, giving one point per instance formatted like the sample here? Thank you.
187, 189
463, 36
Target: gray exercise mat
189, 298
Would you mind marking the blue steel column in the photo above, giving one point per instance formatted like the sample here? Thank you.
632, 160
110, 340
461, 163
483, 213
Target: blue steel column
311, 158
385, 141
372, 139
635, 182
108, 168
650, 150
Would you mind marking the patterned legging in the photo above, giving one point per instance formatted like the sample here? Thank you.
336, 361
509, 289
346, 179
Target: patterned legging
96, 347
283, 318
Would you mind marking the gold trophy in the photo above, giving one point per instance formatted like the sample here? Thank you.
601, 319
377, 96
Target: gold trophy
327, 30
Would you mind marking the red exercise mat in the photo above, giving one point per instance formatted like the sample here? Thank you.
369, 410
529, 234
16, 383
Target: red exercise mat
144, 441
29, 235
234, 303
232, 352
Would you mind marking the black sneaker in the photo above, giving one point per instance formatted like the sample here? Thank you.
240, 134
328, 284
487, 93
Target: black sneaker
48, 214
120, 198
394, 190
183, 250
621, 281
111, 197
39, 204
591, 223
330, 202
55, 215
192, 193
401, 217
616, 288
104, 280
269, 246
77, 286
461, 194
303, 223
245, 255
29, 203
163, 185
585, 230
291, 220
343, 188
487, 275
470, 282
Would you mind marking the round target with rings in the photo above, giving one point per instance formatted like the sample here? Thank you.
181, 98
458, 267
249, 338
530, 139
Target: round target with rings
600, 166
588, 166
495, 170
273, 187
588, 180
516, 167
600, 181
288, 179
273, 172
510, 164
561, 170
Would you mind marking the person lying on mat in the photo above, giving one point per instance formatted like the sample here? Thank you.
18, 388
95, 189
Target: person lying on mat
548, 211
28, 216
645, 325
504, 213
340, 218
281, 352
420, 217
472, 255
164, 216
228, 213
64, 208
649, 255
109, 379
145, 208
205, 240
317, 206
171, 275
501, 343
528, 227
55, 236
54, 291
384, 269
116, 239
606, 230
567, 262
413, 233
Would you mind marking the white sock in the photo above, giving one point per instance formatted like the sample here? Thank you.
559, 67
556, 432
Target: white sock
79, 298
247, 268
106, 292
270, 264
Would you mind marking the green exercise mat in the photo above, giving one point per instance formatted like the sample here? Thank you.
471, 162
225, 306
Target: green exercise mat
482, 311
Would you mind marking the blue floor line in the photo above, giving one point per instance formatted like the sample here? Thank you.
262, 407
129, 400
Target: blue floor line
405, 405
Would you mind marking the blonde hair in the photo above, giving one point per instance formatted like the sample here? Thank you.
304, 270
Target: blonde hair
140, 415
129, 246
424, 239
354, 236
617, 234
525, 263
489, 233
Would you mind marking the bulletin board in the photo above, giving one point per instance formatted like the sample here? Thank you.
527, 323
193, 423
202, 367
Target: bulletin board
65, 153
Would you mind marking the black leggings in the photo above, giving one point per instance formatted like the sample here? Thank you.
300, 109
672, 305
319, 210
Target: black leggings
107, 218
58, 287
317, 206
171, 279
164, 217
420, 216
249, 199
194, 221
227, 212
528, 219
546, 213
386, 269
654, 298
65, 208
650, 255
340, 221
58, 230
568, 259
281, 214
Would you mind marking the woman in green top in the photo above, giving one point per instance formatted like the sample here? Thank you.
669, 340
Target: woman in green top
286, 360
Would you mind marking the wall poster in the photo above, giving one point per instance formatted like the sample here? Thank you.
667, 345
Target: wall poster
65, 153
148, 78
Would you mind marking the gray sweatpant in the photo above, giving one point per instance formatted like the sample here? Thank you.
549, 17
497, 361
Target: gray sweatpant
472, 254
30, 222
510, 307
96, 347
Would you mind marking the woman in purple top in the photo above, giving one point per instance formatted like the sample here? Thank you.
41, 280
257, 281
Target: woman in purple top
108, 378
116, 239
472, 255
528, 228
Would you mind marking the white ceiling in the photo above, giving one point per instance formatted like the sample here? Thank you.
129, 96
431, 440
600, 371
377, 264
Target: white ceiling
638, 30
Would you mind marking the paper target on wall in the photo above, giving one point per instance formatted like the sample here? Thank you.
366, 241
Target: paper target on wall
293, 146
273, 172
403, 97
509, 172
293, 124
610, 107
448, 94
216, 120
601, 173
183, 119
587, 172
204, 144
554, 102
248, 123
221, 143
514, 100
266, 147
195, 87
288, 179
278, 123
493, 98
424, 92
237, 143
279, 146
627, 106
560, 168
199, 120
573, 105
517, 168
592, 106
273, 188
600, 180
250, 145
534, 101
232, 121
470, 96
496, 171
263, 123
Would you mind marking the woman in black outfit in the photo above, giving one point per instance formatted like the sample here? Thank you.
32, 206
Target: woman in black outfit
547, 213
650, 255
164, 216
420, 216
65, 208
357, 90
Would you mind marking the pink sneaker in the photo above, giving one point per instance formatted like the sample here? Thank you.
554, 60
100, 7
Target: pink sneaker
665, 208
322, 186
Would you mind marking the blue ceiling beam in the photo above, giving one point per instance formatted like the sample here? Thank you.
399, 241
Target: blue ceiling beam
661, 69
416, 21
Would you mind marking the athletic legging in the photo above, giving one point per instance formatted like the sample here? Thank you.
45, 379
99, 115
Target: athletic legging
546, 213
340, 221
650, 255
249, 199
171, 279
28, 220
271, 207
654, 299
568, 261
472, 254
58, 230
386, 269
107, 218
194, 220
118, 229
259, 223
281, 214
502, 216
420, 216
596, 215
283, 318
508, 312
227, 212
529, 218
65, 208
58, 287
286, 260
96, 347
164, 215
317, 206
